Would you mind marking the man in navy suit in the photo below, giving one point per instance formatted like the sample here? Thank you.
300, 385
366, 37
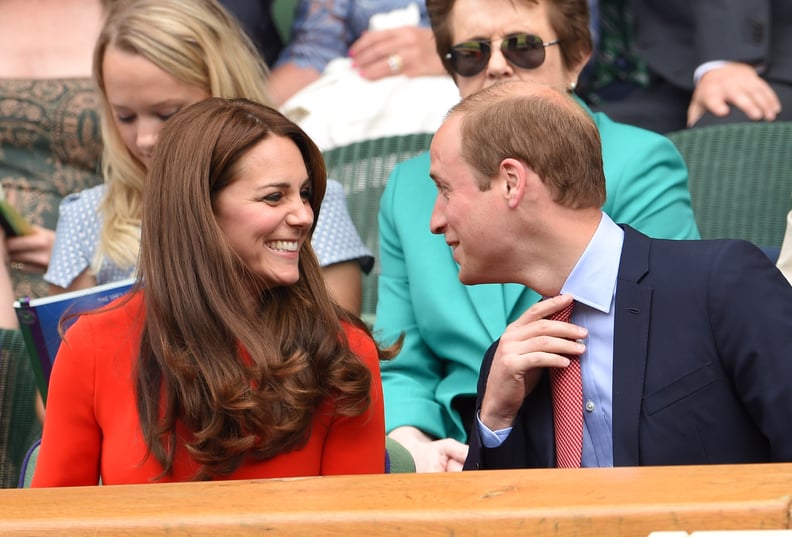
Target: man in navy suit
685, 347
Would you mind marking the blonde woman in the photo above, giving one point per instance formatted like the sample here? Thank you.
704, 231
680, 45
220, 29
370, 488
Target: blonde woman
153, 58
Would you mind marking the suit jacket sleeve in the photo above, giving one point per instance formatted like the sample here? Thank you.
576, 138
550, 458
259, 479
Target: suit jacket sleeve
751, 310
746, 21
676, 36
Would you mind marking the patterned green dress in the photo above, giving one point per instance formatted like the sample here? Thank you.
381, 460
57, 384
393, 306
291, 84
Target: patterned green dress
50, 146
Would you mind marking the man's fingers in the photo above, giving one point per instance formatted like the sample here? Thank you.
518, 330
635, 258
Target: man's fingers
539, 351
542, 309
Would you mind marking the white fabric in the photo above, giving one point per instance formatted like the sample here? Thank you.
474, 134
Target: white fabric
342, 107
784, 262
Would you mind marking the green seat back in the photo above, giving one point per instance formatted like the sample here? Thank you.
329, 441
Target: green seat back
363, 168
740, 178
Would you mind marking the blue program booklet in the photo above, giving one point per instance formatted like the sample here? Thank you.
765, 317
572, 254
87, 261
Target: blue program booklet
39, 319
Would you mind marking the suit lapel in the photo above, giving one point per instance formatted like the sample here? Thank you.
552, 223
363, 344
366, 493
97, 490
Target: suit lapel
630, 347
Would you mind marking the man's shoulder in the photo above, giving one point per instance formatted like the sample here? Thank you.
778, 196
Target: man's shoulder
697, 255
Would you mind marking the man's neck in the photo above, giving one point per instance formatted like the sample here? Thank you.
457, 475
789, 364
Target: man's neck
560, 250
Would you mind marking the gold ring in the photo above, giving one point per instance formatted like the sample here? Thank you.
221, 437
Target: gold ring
395, 63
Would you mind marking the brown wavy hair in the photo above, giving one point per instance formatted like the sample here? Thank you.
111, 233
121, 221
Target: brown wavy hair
569, 19
203, 307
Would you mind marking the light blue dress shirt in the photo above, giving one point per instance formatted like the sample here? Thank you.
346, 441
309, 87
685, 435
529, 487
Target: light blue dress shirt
593, 284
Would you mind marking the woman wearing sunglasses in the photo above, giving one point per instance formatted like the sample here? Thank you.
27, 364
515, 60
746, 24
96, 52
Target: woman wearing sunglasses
430, 386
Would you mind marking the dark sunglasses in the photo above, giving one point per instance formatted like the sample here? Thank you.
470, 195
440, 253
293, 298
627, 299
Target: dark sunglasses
526, 51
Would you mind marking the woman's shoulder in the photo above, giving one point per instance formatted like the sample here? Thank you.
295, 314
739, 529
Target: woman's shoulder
83, 202
361, 343
615, 135
117, 312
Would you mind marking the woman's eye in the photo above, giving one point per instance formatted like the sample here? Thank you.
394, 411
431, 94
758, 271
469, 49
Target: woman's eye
125, 119
273, 198
306, 193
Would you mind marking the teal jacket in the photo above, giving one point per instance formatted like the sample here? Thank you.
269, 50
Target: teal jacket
449, 326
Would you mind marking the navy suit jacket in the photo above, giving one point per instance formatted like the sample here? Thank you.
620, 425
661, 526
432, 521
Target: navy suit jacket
702, 362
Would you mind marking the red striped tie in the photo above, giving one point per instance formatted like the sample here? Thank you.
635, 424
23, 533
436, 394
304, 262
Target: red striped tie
567, 388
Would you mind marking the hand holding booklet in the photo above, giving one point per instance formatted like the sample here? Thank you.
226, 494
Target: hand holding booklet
39, 319
13, 223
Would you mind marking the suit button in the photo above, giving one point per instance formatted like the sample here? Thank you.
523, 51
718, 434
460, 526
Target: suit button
757, 31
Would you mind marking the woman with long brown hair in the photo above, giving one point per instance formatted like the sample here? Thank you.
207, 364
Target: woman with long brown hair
229, 359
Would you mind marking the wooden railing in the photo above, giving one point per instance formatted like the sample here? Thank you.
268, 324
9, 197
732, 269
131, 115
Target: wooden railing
586, 502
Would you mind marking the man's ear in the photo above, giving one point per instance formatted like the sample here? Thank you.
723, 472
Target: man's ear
514, 174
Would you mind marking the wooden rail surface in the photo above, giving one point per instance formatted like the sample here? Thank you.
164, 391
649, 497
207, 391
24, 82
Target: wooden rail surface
586, 502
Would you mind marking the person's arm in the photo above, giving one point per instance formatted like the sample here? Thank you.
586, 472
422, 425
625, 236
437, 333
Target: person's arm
344, 281
8, 318
12, 348
76, 236
340, 250
527, 347
11, 342
71, 441
430, 455
736, 82
356, 445
319, 35
287, 79
750, 311
647, 183
83, 281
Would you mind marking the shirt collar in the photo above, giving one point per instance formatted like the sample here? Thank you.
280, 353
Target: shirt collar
593, 280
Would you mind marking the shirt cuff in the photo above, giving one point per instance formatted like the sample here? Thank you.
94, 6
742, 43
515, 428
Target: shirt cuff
491, 439
706, 67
